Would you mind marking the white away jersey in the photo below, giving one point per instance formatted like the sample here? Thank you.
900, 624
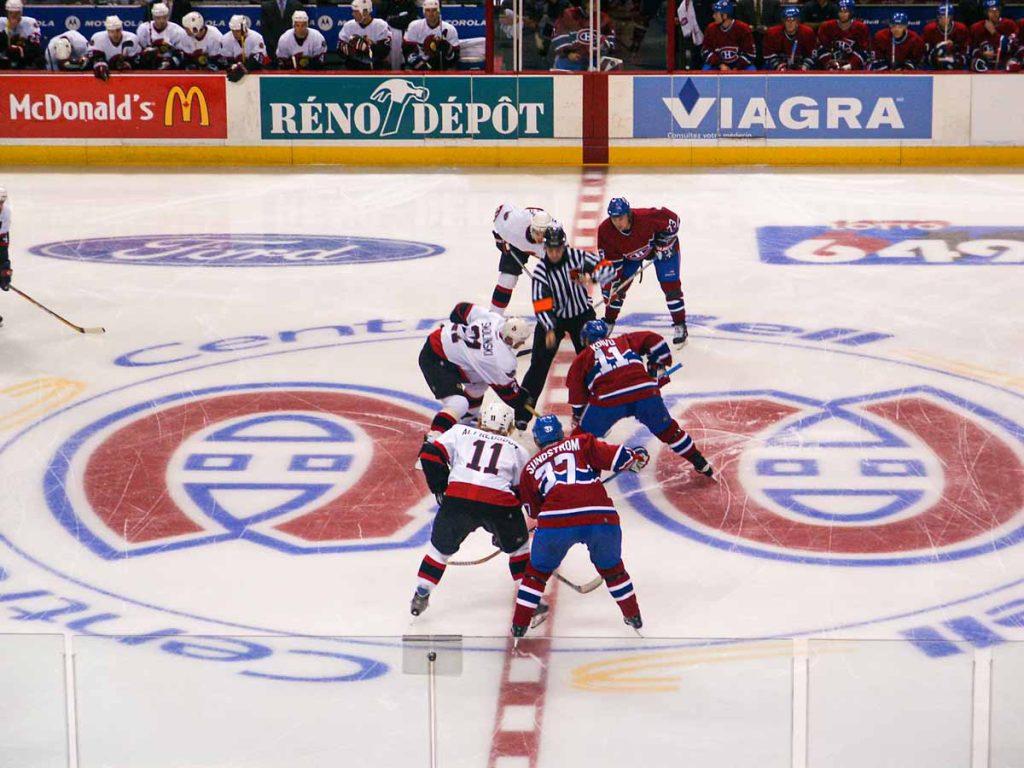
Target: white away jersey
210, 44
27, 29
484, 466
313, 47
377, 31
419, 32
79, 47
173, 35
5, 222
231, 50
512, 225
476, 348
128, 47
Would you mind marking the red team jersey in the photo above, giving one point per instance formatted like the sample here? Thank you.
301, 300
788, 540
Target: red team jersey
946, 49
1002, 42
639, 243
894, 55
612, 371
844, 48
561, 485
783, 52
733, 46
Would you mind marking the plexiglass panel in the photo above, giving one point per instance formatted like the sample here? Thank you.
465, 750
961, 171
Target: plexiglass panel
1007, 732
33, 708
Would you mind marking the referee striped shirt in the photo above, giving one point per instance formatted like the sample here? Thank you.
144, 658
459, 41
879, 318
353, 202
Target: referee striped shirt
556, 294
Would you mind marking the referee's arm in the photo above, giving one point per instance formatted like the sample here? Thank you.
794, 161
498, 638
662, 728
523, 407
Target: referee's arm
543, 298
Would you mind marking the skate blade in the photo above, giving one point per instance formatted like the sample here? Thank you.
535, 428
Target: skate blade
536, 621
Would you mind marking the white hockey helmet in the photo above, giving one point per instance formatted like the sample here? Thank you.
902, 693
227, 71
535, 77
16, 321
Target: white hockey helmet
431, 5
160, 10
14, 5
497, 417
238, 22
514, 332
193, 22
112, 23
539, 223
300, 17
363, 6
62, 49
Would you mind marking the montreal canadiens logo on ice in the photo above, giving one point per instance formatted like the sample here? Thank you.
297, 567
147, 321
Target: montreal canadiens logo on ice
890, 478
301, 468
235, 250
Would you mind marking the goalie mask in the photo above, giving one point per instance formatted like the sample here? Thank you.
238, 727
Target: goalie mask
515, 332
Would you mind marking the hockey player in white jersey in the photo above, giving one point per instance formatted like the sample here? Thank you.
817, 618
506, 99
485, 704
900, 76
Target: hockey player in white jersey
203, 51
113, 49
243, 50
473, 472
474, 350
5, 241
67, 52
163, 42
21, 41
431, 43
301, 47
364, 42
518, 234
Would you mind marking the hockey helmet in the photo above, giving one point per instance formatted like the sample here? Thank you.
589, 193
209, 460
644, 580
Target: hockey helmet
514, 332
62, 49
947, 10
988, 5
112, 23
238, 22
618, 206
539, 223
900, 17
791, 12
193, 22
300, 17
554, 236
547, 429
160, 11
723, 6
593, 330
14, 5
362, 6
432, 5
847, 5
497, 417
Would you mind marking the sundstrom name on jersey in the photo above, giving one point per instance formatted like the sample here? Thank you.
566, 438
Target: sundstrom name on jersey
572, 444
52, 107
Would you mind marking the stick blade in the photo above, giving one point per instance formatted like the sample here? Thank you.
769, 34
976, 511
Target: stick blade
96, 331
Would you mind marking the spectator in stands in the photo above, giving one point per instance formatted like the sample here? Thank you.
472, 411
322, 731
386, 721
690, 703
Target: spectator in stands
541, 15
21, 41
276, 19
759, 14
728, 43
178, 9
571, 39
897, 48
970, 12
817, 11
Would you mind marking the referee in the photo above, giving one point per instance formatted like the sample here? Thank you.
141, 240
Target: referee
562, 305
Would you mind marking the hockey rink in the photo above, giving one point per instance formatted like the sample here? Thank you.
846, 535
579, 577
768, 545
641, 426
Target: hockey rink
210, 512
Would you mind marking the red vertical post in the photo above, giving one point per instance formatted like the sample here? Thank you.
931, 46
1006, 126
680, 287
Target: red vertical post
670, 37
489, 36
595, 118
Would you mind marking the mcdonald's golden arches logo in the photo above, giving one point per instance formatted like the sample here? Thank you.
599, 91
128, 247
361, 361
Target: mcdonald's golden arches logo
185, 99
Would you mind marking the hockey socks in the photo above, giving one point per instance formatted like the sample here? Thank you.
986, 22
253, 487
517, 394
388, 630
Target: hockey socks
503, 292
531, 590
443, 421
431, 569
621, 588
675, 302
517, 561
676, 438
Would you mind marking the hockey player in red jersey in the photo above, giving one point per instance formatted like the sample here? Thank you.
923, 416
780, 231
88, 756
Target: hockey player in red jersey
845, 43
474, 473
608, 381
994, 44
728, 42
627, 238
561, 489
897, 48
474, 350
947, 42
790, 46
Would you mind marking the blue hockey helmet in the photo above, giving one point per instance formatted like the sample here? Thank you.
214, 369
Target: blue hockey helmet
899, 17
593, 330
988, 5
791, 12
947, 10
847, 5
547, 429
619, 206
723, 6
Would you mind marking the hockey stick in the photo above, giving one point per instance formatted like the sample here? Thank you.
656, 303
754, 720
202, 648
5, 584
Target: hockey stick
68, 323
625, 284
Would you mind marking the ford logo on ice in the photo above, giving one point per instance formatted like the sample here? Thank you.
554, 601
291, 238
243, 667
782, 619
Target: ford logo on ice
236, 250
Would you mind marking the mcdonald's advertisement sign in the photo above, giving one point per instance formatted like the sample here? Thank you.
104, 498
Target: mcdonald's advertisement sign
128, 106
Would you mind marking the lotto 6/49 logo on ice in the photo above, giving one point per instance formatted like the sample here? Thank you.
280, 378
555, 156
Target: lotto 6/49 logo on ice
298, 468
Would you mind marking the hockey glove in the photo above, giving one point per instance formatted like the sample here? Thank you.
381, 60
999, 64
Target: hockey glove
655, 370
5, 279
236, 73
605, 273
640, 459
101, 70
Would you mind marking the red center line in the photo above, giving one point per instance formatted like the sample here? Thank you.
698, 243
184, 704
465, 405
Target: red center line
524, 675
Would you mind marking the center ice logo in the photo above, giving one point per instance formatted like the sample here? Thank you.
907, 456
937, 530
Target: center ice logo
296, 469
889, 478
